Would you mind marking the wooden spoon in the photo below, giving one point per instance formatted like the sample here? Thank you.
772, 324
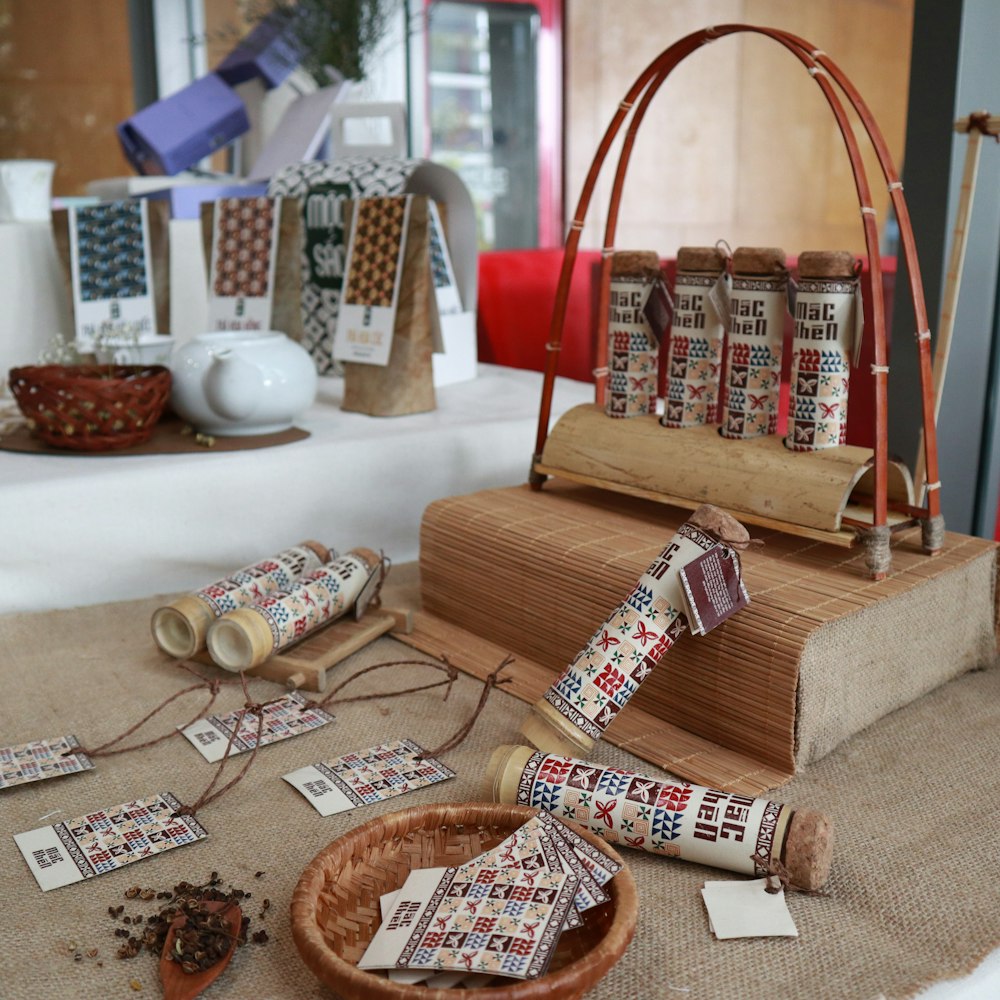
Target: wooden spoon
181, 985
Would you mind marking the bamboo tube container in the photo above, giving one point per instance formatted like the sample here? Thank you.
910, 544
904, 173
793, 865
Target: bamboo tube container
583, 701
633, 349
672, 818
181, 628
245, 638
758, 303
825, 317
694, 358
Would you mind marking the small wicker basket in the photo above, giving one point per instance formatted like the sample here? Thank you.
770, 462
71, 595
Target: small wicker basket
335, 909
91, 407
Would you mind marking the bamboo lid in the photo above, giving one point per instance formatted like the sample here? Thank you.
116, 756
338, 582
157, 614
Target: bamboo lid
827, 264
503, 772
546, 729
808, 851
180, 628
759, 260
709, 259
720, 524
641, 263
240, 640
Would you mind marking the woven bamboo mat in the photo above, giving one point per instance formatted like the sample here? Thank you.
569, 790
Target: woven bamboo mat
512, 570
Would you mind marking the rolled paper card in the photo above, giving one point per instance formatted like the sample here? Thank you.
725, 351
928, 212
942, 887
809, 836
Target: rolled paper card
181, 627
697, 330
827, 306
670, 817
245, 638
633, 347
583, 701
758, 303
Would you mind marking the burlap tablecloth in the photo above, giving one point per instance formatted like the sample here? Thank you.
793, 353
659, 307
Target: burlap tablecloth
912, 899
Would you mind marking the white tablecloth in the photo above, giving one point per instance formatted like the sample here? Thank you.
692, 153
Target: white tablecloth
84, 530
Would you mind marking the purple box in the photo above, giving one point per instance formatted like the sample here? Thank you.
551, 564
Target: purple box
270, 51
172, 134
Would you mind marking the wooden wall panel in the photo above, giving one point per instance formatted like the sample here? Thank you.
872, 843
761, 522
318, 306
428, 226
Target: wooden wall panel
739, 144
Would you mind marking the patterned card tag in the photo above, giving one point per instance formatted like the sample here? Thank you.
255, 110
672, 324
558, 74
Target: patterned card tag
358, 779
446, 301
244, 256
374, 277
106, 840
41, 759
502, 921
659, 310
287, 717
112, 272
713, 588
600, 864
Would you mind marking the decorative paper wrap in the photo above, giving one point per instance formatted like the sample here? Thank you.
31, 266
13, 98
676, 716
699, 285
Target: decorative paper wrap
181, 628
584, 700
694, 358
827, 312
245, 638
670, 817
758, 303
633, 348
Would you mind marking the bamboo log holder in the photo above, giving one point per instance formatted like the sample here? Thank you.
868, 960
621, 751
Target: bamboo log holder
855, 495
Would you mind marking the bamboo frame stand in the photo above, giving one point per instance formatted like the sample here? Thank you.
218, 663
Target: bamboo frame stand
868, 517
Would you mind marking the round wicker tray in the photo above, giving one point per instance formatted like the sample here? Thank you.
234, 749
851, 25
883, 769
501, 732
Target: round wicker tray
335, 908
91, 407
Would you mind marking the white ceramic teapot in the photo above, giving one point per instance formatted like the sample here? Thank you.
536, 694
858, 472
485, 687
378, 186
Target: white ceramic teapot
236, 384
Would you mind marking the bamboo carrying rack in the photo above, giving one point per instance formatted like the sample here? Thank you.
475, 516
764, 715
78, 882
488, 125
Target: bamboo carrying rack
853, 495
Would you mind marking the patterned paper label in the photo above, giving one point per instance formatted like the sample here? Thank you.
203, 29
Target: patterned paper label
41, 759
674, 818
821, 366
244, 256
753, 357
633, 350
503, 921
713, 589
112, 272
367, 776
694, 359
623, 651
287, 717
106, 840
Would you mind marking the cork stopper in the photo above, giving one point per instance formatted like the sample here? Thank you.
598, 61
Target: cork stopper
503, 773
708, 259
808, 851
367, 556
240, 640
551, 732
319, 548
827, 264
635, 263
759, 261
721, 524
180, 628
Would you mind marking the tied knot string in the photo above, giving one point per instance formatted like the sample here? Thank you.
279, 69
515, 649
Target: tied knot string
778, 877
980, 122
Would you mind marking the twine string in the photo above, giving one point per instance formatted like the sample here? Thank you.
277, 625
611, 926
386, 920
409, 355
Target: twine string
448, 668
980, 121
779, 877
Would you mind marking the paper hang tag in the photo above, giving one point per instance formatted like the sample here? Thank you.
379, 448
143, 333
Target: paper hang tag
105, 840
719, 299
713, 588
747, 909
26, 762
659, 309
859, 325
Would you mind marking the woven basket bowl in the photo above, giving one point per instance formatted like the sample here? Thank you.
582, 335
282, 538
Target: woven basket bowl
91, 407
335, 909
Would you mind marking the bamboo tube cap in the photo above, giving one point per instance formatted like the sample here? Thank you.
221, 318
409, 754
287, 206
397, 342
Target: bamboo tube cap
641, 263
240, 640
715, 521
180, 628
827, 264
503, 773
808, 852
709, 259
759, 260
546, 729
